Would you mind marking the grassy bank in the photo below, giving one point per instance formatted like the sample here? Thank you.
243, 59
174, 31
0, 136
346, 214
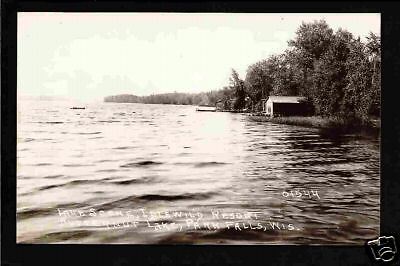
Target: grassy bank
337, 125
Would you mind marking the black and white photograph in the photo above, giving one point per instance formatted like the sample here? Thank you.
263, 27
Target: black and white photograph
198, 128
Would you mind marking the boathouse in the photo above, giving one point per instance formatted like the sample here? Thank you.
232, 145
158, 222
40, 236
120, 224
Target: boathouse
285, 106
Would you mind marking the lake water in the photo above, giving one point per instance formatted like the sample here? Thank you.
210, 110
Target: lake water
147, 174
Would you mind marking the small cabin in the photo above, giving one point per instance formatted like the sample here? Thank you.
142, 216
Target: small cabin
285, 106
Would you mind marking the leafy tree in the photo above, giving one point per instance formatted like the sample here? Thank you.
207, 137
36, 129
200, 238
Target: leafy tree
285, 75
310, 44
359, 95
238, 87
373, 49
329, 77
258, 81
313, 40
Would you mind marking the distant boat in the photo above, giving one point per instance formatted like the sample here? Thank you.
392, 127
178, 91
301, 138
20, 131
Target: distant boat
77, 108
206, 108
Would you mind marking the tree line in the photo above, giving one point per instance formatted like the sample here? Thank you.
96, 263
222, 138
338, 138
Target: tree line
203, 98
339, 75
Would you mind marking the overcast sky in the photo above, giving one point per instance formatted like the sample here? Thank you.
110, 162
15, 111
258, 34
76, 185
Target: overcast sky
88, 56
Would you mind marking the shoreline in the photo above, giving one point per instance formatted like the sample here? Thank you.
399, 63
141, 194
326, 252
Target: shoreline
325, 124
329, 125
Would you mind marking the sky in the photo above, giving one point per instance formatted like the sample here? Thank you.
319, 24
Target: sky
87, 56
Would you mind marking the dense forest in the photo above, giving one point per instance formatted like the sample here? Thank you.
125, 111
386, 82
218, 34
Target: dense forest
338, 74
